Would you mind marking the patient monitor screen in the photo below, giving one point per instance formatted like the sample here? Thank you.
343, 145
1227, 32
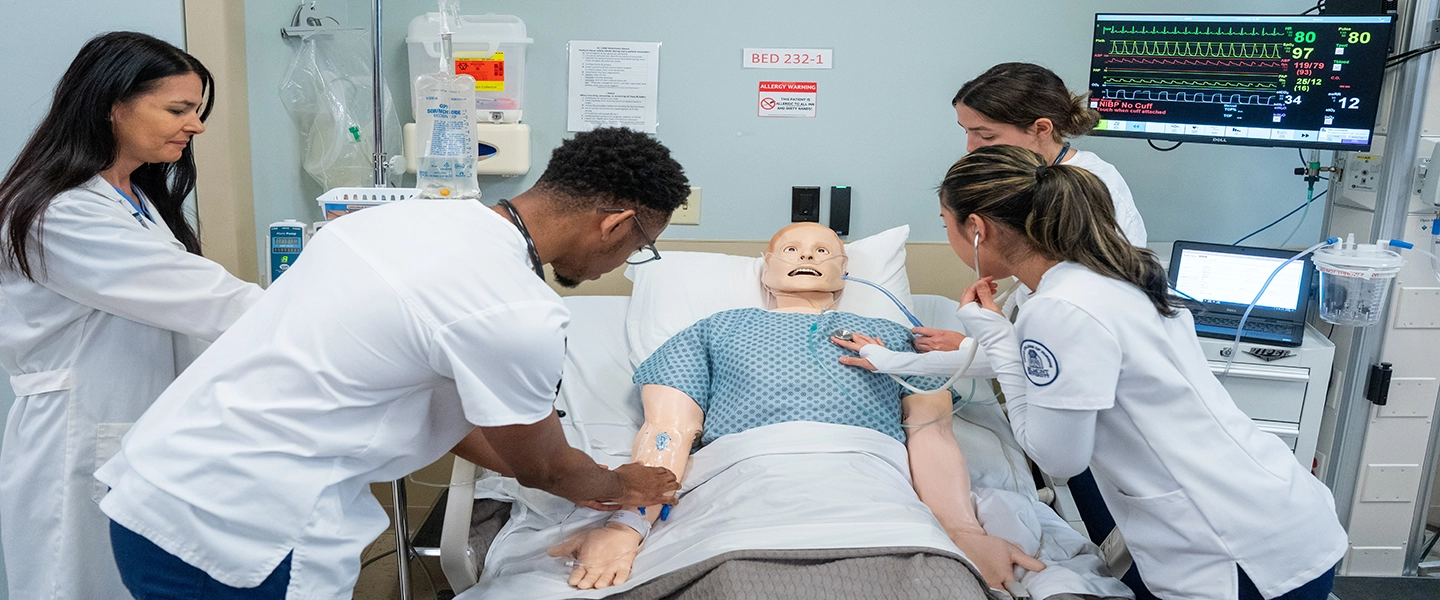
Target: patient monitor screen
1295, 81
1222, 277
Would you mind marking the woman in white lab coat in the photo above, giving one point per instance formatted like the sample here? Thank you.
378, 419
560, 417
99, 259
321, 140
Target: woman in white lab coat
101, 284
1100, 370
1027, 105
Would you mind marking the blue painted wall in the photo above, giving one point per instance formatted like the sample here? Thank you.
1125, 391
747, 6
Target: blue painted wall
884, 122
38, 41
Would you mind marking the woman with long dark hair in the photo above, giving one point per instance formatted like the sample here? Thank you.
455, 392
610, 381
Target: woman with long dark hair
1101, 371
101, 282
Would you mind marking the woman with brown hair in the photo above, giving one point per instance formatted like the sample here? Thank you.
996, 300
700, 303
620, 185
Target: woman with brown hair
1100, 370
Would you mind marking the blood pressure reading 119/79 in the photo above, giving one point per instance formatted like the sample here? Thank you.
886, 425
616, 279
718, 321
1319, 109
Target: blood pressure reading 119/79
1299, 81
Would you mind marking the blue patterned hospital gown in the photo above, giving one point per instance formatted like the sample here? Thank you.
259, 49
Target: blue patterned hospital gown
747, 368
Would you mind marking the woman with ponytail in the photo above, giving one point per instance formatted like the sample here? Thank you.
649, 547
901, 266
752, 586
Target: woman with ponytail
1027, 105
1101, 371
101, 284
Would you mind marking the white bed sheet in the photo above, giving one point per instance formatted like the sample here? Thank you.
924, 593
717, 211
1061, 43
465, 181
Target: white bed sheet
603, 414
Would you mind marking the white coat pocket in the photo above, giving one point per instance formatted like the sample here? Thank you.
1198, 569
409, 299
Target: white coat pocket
1172, 543
107, 445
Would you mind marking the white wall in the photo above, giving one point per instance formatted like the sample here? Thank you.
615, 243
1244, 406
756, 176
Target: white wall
38, 40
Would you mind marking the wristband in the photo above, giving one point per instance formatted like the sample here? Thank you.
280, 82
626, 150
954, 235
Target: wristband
640, 524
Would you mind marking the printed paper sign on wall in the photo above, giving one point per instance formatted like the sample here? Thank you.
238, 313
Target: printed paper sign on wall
787, 98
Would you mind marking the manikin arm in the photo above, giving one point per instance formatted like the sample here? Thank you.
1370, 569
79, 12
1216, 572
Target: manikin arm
937, 466
942, 481
672, 426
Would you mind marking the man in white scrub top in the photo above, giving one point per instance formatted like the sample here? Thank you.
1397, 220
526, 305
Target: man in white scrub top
401, 331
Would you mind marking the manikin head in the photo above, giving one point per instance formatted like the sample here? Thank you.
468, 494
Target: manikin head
804, 266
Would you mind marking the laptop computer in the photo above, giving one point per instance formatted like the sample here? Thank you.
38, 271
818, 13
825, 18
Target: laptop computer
1217, 281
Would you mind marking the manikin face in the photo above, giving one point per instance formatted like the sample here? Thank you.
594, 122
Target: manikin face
804, 257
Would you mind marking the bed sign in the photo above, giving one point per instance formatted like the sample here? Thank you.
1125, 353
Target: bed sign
787, 58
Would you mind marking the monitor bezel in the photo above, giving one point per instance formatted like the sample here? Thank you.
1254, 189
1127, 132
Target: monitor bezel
1252, 142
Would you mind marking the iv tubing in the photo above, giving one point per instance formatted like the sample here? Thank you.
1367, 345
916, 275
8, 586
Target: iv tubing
1240, 329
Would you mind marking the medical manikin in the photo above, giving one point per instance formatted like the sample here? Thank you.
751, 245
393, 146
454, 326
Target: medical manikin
747, 368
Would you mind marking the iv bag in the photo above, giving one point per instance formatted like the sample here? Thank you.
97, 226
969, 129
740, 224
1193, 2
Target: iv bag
444, 108
329, 91
445, 124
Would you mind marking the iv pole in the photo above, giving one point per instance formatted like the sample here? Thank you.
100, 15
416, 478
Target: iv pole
399, 504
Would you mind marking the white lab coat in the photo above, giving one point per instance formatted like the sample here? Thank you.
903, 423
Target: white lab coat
87, 349
1196, 488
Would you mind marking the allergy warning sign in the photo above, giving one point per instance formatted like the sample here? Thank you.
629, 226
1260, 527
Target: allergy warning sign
787, 99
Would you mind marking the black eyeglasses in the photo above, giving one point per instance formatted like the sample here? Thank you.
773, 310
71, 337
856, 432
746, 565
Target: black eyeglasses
649, 241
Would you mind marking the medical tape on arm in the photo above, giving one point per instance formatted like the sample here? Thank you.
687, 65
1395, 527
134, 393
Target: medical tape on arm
635, 521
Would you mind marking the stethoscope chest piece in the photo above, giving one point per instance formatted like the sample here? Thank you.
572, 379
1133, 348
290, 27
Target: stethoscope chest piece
844, 334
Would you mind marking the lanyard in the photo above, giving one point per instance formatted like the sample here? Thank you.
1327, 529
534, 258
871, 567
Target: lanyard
525, 233
1063, 151
139, 207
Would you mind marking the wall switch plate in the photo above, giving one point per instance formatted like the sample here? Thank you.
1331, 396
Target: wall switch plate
689, 211
804, 204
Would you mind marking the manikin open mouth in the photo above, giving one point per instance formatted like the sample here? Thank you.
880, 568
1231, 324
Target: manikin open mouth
806, 271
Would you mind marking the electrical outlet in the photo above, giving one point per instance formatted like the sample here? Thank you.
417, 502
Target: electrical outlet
689, 211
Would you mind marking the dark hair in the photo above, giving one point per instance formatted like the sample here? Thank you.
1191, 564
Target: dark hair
1061, 212
1020, 93
75, 141
613, 164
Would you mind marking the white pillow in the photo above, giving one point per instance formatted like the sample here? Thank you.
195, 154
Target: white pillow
684, 287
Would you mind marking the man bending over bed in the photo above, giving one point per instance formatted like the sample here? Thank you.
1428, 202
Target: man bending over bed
746, 368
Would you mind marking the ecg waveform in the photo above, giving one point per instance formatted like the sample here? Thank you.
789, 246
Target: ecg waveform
1198, 97
1202, 84
1196, 49
1193, 62
1167, 30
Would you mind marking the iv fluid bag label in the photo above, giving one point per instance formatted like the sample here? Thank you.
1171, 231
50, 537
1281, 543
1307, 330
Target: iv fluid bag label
450, 153
488, 71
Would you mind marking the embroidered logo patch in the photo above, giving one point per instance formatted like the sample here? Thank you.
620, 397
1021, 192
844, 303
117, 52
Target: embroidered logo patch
1041, 368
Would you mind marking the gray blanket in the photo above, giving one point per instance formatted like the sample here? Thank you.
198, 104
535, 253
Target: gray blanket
860, 573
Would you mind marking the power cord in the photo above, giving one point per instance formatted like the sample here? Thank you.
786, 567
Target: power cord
1407, 55
1319, 6
1277, 221
1152, 145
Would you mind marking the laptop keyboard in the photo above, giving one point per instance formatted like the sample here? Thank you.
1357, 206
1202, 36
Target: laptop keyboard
1251, 325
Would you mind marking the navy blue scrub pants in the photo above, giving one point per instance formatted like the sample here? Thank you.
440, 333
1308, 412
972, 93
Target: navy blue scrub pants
151, 573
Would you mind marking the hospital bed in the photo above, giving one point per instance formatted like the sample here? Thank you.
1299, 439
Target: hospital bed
494, 550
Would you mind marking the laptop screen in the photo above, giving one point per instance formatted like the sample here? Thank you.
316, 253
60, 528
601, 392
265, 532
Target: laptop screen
1212, 276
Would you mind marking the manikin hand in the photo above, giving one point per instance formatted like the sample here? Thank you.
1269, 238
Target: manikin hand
936, 340
603, 555
995, 557
854, 344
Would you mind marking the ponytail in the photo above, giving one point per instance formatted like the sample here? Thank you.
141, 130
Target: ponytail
1021, 93
1062, 212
